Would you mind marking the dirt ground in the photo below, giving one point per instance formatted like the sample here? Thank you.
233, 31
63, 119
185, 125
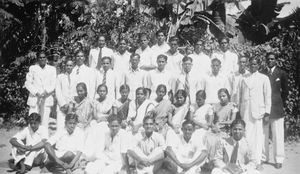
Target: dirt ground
291, 164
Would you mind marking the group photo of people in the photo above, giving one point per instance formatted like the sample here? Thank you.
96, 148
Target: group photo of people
155, 110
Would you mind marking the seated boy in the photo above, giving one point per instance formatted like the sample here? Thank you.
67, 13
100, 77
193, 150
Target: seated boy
234, 155
64, 148
28, 144
186, 153
111, 157
148, 148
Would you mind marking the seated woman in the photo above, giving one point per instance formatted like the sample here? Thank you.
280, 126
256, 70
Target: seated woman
138, 109
225, 111
65, 147
28, 144
203, 113
121, 105
180, 110
162, 112
102, 108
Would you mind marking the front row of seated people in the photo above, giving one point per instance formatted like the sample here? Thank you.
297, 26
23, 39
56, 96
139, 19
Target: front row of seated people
118, 151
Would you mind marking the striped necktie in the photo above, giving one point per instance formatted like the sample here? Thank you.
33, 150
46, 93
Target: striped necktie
99, 59
104, 78
187, 86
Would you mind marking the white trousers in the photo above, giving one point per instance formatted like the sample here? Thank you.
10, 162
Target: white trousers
28, 156
277, 129
102, 166
44, 111
221, 171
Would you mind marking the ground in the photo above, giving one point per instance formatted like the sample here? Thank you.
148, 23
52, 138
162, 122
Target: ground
291, 164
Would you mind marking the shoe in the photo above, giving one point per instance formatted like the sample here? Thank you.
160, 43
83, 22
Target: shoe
278, 165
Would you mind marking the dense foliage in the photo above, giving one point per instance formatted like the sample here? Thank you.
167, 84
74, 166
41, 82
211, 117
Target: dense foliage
79, 26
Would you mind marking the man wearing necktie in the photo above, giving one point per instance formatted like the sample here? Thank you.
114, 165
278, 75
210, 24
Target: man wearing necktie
234, 155
96, 54
279, 87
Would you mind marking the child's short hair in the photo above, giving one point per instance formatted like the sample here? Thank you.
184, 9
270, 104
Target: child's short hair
114, 117
34, 117
123, 87
186, 122
201, 93
71, 116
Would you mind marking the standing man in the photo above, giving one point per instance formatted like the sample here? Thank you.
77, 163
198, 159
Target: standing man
201, 62
255, 106
63, 92
84, 74
160, 76
228, 59
98, 53
161, 47
134, 77
189, 81
174, 57
122, 57
279, 86
236, 78
146, 55
40, 82
108, 77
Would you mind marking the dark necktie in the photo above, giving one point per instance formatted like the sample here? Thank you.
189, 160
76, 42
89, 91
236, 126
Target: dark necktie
99, 59
234, 154
187, 86
104, 78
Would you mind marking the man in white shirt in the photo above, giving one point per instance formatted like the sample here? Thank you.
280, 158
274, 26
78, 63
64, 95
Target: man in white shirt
174, 57
161, 47
215, 81
111, 155
98, 53
189, 81
108, 77
40, 82
236, 78
160, 76
201, 62
185, 153
68, 145
63, 92
228, 59
134, 77
84, 74
234, 153
28, 144
121, 58
148, 149
146, 55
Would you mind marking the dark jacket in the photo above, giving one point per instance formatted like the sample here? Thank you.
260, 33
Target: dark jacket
279, 86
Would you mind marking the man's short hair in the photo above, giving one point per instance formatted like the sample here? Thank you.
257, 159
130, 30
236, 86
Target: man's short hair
71, 116
134, 54
143, 35
270, 53
106, 57
174, 38
34, 117
238, 121
148, 117
222, 38
186, 122
258, 60
216, 60
114, 117
162, 56
160, 31
187, 58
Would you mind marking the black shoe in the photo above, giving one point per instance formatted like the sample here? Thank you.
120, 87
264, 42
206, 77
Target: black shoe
278, 165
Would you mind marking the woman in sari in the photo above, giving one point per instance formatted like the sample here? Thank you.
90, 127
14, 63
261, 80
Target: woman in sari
138, 109
121, 105
180, 110
162, 111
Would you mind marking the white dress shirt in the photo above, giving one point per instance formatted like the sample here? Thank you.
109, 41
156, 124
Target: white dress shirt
112, 82
63, 90
174, 62
94, 55
86, 75
121, 62
30, 137
201, 63
40, 80
159, 49
212, 84
229, 61
134, 79
146, 57
156, 77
